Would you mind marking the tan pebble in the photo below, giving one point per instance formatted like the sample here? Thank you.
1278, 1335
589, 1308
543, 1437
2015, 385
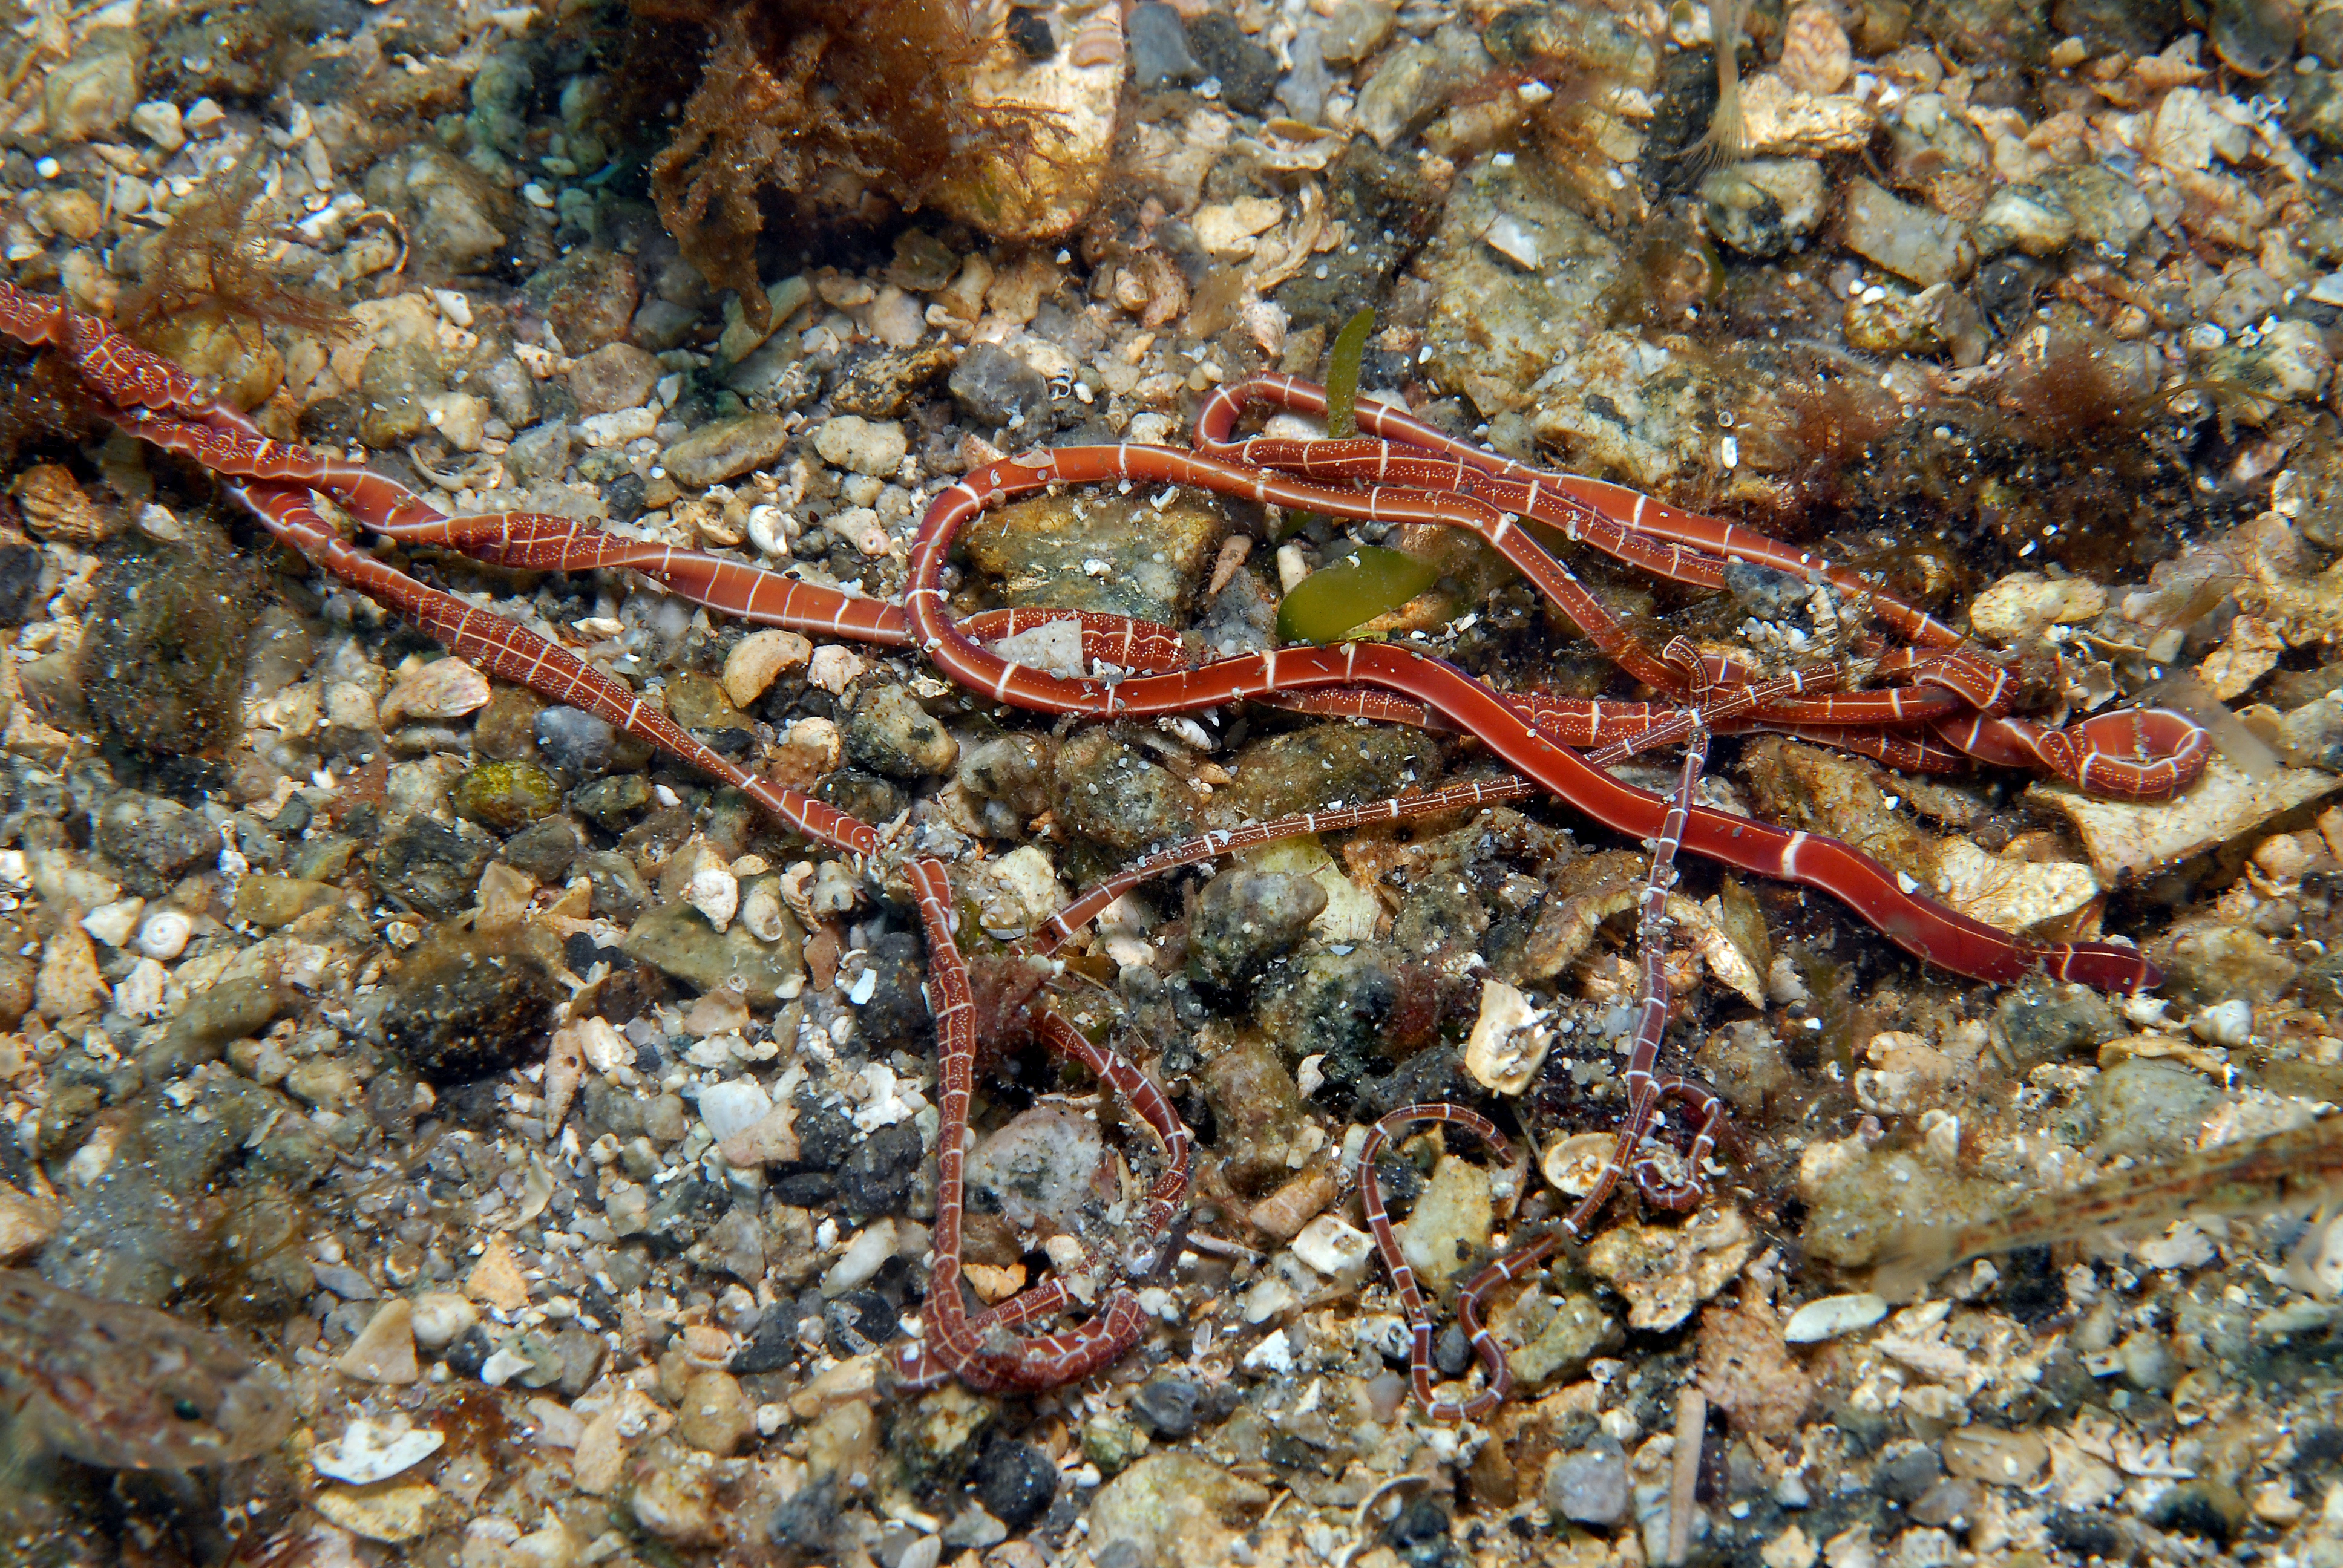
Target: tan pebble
113, 923
549, 1546
771, 1140
1994, 1456
2023, 603
1453, 1218
964, 297
69, 984
718, 1012
845, 1385
443, 688
601, 1456
1790, 1548
834, 668
2276, 1504
26, 1223
384, 1350
844, 1442
2287, 855
819, 741
707, 1347
677, 1502
1333, 1246
1283, 1213
1815, 52
757, 660
496, 1280
1231, 229
1748, 1371
390, 1511
992, 1284
1013, 1555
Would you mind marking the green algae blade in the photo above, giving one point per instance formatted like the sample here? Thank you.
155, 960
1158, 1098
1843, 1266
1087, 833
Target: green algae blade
1342, 375
1368, 583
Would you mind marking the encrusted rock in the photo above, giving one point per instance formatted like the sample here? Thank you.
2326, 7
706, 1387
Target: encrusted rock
890, 733
1245, 916
1666, 1271
1098, 550
1173, 1511
464, 1006
725, 449
1762, 207
678, 939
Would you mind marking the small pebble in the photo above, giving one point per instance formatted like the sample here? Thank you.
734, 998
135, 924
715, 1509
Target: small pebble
1168, 1406
441, 1318
862, 446
1333, 1246
384, 1350
1833, 1316
113, 923
1589, 1486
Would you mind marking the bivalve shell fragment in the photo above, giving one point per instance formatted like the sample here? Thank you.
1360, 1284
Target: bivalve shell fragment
366, 1454
1831, 1316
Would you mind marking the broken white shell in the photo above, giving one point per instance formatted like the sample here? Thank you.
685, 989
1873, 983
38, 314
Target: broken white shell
1508, 1040
368, 1452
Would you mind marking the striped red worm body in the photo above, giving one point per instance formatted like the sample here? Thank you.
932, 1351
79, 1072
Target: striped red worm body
1948, 699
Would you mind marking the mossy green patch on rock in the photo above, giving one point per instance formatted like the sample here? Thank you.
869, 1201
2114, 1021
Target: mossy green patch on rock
1305, 769
507, 796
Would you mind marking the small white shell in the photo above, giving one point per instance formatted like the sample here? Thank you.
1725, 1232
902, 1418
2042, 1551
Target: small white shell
164, 936
1833, 1316
368, 1453
760, 911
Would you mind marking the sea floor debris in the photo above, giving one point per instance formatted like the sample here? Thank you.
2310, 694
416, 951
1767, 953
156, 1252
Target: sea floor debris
564, 1133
